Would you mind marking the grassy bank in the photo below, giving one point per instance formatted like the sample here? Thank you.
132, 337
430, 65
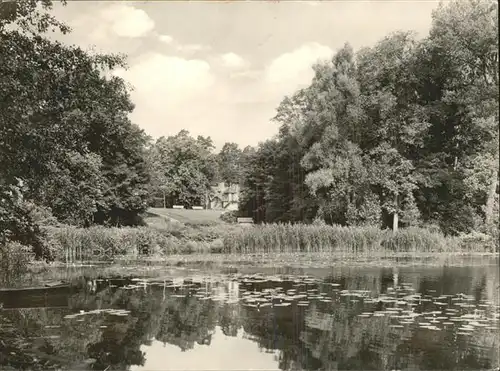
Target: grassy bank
190, 217
71, 244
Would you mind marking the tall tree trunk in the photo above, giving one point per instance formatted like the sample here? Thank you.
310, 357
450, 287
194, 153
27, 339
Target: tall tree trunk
490, 201
395, 220
164, 200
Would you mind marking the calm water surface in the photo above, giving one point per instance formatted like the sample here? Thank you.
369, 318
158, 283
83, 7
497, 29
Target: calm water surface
326, 319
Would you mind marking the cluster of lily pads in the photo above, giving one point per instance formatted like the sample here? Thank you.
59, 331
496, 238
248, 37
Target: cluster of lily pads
400, 303
436, 313
113, 312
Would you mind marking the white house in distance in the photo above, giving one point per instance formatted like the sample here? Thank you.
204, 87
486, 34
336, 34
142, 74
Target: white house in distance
224, 196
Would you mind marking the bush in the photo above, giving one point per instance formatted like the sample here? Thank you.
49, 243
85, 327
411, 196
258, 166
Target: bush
17, 223
217, 246
230, 217
41, 215
477, 242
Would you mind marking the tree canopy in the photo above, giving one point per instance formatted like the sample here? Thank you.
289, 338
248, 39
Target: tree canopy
404, 132
183, 168
64, 126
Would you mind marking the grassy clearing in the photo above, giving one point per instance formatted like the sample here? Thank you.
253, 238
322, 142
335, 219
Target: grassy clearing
190, 217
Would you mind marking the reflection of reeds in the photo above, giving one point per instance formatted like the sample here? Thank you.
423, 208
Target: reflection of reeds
288, 238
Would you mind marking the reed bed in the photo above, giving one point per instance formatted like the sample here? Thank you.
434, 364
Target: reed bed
71, 244
288, 238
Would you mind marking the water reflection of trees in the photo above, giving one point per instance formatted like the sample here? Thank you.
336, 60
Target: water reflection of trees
342, 341
186, 321
279, 329
321, 336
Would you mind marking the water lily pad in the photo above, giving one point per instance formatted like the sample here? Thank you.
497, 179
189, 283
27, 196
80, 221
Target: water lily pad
282, 304
466, 328
396, 326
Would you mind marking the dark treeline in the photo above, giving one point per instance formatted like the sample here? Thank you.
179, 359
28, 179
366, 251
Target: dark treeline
403, 133
67, 147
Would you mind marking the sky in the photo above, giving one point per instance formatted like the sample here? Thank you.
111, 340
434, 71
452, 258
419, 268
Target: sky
224, 353
220, 69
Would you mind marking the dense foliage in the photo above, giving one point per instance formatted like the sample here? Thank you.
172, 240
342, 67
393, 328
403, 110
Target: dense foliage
403, 133
64, 127
183, 169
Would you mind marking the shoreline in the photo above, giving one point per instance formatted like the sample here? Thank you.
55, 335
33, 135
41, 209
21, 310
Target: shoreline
270, 260
41, 273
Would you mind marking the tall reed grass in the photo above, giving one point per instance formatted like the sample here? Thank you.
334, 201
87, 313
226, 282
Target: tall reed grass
71, 244
288, 238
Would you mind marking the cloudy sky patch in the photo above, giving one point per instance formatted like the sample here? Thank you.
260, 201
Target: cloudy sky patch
221, 69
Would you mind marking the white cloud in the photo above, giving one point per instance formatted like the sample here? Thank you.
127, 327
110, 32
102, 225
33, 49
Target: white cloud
189, 48
114, 28
233, 60
183, 48
166, 89
167, 39
128, 21
297, 63
158, 77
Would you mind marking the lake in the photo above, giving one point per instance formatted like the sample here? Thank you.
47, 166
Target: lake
346, 318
